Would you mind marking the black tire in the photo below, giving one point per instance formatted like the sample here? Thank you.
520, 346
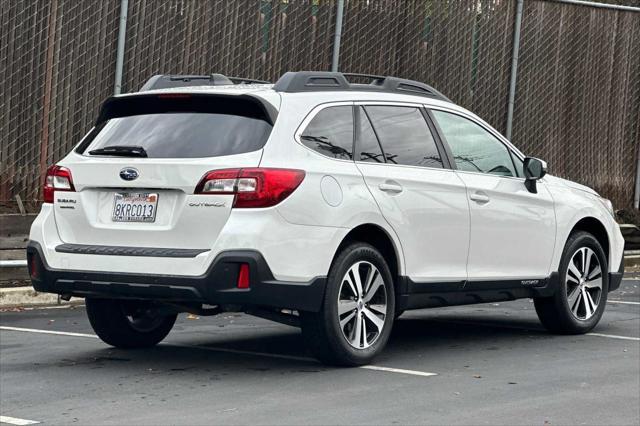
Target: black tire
554, 312
322, 331
128, 324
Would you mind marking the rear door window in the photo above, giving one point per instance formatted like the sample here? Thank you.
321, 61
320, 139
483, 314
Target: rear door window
405, 136
330, 132
368, 145
184, 129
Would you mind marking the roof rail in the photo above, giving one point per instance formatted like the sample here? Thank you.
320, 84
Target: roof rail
314, 81
161, 81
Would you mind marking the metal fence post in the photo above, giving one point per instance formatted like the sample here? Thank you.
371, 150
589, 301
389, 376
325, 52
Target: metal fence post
122, 31
338, 34
514, 68
636, 196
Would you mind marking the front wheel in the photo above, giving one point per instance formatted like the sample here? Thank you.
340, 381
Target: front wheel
579, 303
357, 312
128, 324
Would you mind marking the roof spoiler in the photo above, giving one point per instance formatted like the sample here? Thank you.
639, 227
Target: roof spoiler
166, 81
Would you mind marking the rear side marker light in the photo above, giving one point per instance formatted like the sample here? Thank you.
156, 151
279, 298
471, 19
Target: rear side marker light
243, 276
255, 187
58, 178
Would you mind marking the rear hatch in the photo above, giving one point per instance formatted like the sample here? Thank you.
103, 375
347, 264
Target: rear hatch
134, 175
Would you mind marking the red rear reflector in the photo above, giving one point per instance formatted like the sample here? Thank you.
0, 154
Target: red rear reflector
243, 276
255, 187
33, 267
58, 178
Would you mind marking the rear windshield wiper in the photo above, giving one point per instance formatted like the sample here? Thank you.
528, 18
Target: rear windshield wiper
120, 151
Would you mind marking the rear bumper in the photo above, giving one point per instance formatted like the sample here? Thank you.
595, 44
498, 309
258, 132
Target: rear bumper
615, 278
217, 286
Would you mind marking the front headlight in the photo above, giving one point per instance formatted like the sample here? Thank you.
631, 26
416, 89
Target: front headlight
607, 204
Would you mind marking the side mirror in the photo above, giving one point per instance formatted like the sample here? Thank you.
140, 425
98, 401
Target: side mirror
534, 169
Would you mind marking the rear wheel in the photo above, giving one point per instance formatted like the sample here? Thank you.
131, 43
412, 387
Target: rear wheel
128, 324
579, 303
357, 313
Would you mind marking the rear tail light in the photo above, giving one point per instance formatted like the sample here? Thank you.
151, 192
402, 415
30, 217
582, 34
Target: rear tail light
58, 179
256, 187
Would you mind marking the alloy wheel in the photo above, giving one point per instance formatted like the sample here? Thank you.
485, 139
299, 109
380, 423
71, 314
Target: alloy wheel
362, 305
584, 283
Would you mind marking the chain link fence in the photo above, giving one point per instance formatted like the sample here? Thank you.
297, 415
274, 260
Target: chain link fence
577, 102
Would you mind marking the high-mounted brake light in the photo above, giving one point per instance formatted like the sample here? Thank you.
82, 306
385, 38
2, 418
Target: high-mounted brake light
58, 179
255, 187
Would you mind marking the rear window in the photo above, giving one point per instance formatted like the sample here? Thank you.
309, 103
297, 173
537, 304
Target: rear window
182, 129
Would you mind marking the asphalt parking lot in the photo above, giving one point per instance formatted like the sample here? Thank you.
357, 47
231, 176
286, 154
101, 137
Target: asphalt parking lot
483, 364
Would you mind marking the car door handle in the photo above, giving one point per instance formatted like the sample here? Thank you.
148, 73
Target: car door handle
480, 197
391, 187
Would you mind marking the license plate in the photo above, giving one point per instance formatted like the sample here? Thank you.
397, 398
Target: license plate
134, 207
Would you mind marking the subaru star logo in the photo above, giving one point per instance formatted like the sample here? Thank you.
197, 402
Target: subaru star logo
129, 173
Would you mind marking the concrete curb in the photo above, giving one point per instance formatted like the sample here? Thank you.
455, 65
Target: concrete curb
27, 296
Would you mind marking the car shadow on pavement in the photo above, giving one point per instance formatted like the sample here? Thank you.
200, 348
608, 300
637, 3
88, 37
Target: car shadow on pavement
282, 350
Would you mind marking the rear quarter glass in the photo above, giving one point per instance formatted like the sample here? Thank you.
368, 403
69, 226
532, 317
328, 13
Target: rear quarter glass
183, 129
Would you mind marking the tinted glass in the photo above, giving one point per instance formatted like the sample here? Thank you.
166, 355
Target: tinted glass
367, 141
404, 135
474, 149
185, 134
330, 132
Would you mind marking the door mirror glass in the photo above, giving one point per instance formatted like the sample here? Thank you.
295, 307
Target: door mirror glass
534, 168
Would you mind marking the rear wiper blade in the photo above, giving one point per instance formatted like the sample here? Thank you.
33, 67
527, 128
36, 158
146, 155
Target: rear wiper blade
121, 151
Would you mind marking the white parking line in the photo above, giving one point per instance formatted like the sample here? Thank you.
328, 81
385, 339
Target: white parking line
15, 421
398, 370
624, 302
613, 336
35, 330
232, 351
514, 327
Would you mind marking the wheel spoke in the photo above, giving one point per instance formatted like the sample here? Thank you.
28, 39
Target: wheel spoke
595, 283
576, 304
346, 319
365, 343
377, 321
591, 302
379, 309
586, 261
349, 281
372, 273
373, 289
345, 306
574, 270
355, 272
356, 333
586, 304
595, 273
571, 298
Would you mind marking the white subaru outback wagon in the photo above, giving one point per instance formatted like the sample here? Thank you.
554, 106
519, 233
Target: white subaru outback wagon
317, 202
